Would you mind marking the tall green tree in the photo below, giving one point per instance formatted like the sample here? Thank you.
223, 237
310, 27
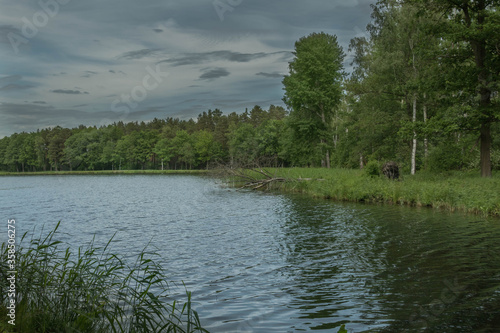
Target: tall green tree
393, 83
243, 146
206, 148
313, 87
473, 30
184, 148
58, 137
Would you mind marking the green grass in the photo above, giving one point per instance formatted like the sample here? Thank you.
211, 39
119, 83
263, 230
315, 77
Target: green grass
104, 172
453, 191
91, 290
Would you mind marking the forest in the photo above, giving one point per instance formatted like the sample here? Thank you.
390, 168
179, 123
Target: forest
423, 93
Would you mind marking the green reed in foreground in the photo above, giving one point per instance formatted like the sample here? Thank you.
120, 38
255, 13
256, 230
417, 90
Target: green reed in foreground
92, 290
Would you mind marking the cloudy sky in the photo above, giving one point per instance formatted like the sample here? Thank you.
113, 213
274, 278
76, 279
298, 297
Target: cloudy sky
93, 62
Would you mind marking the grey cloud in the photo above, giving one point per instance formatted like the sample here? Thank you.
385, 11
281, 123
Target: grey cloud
271, 75
132, 55
10, 79
69, 91
268, 25
5, 30
224, 55
213, 73
18, 117
89, 73
11, 83
14, 86
39, 102
114, 72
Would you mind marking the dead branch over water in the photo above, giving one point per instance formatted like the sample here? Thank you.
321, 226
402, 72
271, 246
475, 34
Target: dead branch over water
254, 177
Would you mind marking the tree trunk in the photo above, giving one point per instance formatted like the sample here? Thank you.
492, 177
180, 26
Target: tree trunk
480, 55
414, 145
426, 143
485, 150
325, 162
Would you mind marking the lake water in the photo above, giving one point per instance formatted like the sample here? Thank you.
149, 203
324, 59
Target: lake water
260, 262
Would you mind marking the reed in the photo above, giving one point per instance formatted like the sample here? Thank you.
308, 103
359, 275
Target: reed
90, 290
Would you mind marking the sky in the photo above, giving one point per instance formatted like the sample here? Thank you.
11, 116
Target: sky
95, 62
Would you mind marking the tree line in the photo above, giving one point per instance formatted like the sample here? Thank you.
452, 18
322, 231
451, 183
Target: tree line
159, 144
423, 93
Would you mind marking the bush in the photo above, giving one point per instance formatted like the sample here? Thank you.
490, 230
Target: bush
94, 292
372, 169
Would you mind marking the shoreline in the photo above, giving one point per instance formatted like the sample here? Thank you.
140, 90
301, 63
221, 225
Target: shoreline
104, 172
454, 191
464, 192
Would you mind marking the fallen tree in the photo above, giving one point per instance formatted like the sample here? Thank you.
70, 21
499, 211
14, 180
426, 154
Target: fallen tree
254, 178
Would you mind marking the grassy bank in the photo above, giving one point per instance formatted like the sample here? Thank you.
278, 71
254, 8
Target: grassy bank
453, 191
106, 172
88, 290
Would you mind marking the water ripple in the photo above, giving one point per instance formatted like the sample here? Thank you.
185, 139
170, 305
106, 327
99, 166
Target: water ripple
259, 262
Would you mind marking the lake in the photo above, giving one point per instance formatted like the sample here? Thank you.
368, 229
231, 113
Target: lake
261, 262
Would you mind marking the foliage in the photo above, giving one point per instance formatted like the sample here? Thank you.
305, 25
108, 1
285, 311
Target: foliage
424, 93
453, 191
92, 290
372, 169
342, 329
313, 88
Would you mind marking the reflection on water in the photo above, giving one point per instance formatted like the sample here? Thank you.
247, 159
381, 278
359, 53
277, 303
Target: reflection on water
260, 262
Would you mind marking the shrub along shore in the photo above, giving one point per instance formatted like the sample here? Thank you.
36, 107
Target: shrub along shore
452, 191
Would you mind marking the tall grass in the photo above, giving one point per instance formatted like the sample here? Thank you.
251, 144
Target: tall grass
91, 290
453, 191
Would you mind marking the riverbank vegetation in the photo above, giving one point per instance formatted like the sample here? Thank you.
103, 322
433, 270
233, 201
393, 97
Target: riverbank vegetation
89, 289
452, 191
